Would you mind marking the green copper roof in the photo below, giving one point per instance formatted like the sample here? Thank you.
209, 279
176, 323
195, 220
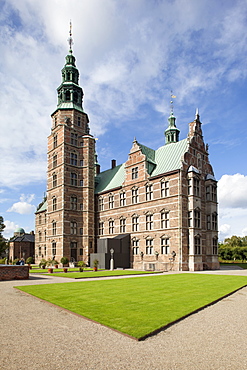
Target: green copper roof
42, 208
165, 159
168, 157
110, 179
70, 105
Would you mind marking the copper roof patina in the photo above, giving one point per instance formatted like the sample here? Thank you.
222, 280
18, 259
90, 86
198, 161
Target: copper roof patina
165, 159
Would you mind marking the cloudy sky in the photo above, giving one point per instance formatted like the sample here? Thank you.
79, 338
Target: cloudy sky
131, 54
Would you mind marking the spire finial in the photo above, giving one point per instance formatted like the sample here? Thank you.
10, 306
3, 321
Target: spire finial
197, 117
172, 97
70, 39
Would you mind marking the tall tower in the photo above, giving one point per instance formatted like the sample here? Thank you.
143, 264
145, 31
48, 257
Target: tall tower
70, 175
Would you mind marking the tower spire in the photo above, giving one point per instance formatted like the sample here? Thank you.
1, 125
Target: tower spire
70, 39
172, 132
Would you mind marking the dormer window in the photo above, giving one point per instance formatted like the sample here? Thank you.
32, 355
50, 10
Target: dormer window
134, 173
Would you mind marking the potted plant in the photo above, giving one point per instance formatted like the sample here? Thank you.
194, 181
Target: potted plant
55, 264
43, 263
81, 265
29, 260
95, 265
64, 261
50, 265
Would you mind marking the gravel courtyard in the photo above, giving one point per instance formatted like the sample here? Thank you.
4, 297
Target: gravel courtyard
37, 335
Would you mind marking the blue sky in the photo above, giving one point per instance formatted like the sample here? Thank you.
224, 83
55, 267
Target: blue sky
130, 54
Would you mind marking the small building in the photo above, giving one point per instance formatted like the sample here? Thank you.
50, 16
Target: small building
22, 245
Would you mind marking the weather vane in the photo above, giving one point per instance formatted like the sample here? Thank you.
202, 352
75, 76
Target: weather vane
70, 40
172, 97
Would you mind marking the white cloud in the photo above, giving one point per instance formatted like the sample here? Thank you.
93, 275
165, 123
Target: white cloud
23, 207
232, 190
10, 227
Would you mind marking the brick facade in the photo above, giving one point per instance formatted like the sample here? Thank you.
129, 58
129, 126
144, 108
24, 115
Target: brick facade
165, 199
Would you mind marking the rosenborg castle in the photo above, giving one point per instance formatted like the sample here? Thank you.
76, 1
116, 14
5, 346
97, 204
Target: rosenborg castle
158, 210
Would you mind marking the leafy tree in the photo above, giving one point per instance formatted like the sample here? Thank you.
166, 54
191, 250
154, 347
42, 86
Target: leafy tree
3, 244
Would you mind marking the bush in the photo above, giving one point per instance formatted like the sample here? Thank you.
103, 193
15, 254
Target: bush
15, 261
2, 261
64, 261
29, 260
42, 263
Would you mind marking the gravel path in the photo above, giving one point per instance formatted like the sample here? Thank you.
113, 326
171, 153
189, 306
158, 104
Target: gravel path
36, 335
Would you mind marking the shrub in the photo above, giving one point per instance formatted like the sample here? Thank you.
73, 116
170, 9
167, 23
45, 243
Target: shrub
15, 261
42, 263
29, 260
64, 261
2, 261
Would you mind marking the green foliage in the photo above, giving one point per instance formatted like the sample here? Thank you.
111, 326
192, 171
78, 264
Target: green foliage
64, 261
2, 261
81, 264
138, 306
42, 263
15, 261
29, 260
234, 248
95, 263
3, 244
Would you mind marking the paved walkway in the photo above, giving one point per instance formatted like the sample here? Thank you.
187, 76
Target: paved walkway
36, 335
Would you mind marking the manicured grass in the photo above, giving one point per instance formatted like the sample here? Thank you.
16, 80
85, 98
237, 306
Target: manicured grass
45, 271
231, 263
138, 306
102, 273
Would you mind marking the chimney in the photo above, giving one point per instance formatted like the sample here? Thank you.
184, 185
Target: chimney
113, 163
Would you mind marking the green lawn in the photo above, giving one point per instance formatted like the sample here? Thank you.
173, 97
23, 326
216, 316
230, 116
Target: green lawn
138, 306
232, 263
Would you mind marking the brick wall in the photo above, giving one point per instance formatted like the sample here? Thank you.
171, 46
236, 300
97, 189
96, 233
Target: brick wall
14, 272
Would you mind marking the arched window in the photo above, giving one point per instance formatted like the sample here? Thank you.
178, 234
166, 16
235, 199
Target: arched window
54, 180
54, 204
67, 95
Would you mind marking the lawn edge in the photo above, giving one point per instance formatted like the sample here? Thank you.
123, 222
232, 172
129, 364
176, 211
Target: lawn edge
146, 336
162, 328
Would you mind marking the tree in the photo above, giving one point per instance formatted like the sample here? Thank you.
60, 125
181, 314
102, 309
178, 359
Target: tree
3, 244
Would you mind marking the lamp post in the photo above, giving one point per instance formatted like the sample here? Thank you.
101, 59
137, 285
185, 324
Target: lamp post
112, 260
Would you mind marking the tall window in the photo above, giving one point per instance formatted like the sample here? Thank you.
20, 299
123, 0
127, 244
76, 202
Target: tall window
54, 228
197, 245
135, 223
73, 179
73, 139
189, 186
149, 246
135, 244
54, 204
165, 246
215, 246
54, 248
54, 141
79, 121
208, 222
165, 222
135, 196
122, 199
40, 219
73, 202
197, 218
73, 159
111, 201
54, 161
190, 219
214, 193
111, 227
101, 204
101, 228
122, 225
40, 236
149, 222
196, 187
149, 192
164, 189
73, 227
134, 173
54, 180
214, 221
